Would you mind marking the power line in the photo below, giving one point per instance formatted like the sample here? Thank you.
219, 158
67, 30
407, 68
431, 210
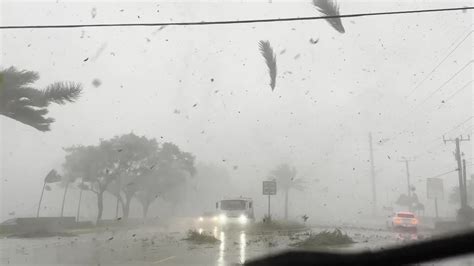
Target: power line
444, 173
458, 91
460, 124
441, 143
446, 82
439, 64
200, 23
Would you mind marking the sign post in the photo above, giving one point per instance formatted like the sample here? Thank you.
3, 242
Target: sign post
269, 188
435, 190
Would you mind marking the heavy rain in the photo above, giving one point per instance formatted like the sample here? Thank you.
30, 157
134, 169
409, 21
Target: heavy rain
232, 132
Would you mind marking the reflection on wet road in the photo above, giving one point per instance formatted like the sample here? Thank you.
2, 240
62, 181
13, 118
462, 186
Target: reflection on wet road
242, 243
145, 247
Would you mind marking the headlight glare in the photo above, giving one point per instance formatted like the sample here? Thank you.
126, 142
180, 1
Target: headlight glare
222, 218
243, 219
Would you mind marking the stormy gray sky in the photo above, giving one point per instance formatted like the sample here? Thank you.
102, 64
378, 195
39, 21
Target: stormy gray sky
328, 95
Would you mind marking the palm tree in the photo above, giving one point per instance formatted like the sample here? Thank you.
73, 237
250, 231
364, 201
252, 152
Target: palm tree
286, 180
28, 105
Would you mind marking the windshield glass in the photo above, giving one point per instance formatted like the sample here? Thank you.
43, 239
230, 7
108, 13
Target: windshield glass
232, 205
125, 123
405, 215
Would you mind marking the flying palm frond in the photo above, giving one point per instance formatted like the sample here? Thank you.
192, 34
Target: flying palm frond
62, 92
28, 105
330, 8
270, 58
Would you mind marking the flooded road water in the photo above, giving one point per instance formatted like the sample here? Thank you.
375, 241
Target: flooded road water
148, 247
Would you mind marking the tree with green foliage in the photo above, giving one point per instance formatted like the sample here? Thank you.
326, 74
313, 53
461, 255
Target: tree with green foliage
129, 166
28, 105
133, 158
169, 172
285, 176
93, 165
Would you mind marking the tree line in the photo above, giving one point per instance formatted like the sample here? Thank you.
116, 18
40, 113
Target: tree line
128, 167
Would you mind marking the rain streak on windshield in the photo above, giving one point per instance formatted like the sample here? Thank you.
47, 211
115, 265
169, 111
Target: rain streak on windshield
125, 123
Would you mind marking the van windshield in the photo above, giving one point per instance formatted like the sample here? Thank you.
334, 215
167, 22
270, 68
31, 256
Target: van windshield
231, 205
406, 215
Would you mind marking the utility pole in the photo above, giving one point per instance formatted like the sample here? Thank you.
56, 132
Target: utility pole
408, 174
457, 154
372, 174
464, 178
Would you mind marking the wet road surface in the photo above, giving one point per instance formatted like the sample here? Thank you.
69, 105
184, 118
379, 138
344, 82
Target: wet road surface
154, 247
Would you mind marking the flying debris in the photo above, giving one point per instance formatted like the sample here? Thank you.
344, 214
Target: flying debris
96, 82
93, 12
313, 41
305, 218
297, 56
270, 59
99, 51
330, 8
283, 51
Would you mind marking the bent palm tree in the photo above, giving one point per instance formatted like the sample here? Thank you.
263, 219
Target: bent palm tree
28, 105
286, 180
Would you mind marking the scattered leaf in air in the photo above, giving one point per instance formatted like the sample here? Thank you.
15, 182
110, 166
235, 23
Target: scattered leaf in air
85, 60
270, 59
93, 12
330, 8
313, 41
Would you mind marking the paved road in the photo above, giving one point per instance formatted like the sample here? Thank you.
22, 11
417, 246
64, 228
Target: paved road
155, 247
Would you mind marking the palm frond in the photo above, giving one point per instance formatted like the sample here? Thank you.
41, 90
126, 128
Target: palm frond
30, 116
21, 102
330, 8
62, 92
270, 58
12, 77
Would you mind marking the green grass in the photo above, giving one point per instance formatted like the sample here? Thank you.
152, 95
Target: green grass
201, 238
325, 239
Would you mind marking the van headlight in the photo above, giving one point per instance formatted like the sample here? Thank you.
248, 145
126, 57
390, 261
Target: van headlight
243, 219
222, 218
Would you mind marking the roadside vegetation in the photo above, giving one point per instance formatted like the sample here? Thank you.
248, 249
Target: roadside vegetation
325, 239
200, 238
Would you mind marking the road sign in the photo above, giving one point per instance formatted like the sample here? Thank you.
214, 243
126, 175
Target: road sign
269, 187
434, 188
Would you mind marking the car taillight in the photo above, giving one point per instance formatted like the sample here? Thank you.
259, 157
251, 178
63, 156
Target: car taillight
414, 221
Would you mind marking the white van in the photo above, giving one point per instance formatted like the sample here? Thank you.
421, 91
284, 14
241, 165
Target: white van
235, 211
